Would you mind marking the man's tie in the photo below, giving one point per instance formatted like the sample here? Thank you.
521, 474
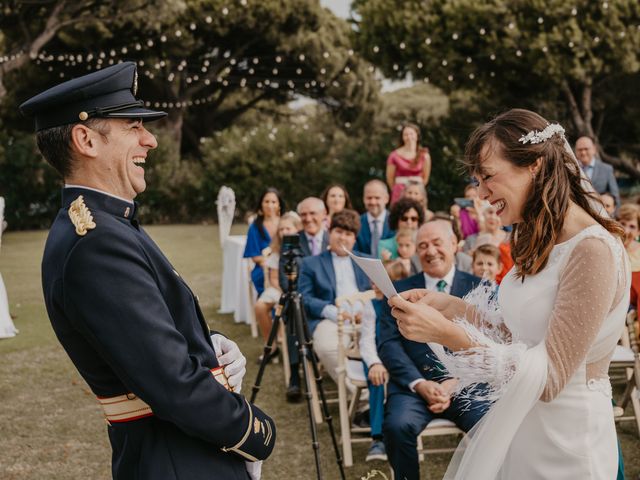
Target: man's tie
375, 237
315, 248
441, 285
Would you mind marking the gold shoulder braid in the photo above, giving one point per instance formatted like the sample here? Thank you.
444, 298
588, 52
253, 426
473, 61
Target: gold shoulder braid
81, 216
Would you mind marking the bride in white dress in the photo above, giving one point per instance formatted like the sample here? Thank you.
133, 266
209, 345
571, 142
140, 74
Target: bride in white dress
544, 346
7, 329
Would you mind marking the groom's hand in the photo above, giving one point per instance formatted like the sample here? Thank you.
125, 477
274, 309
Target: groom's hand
231, 358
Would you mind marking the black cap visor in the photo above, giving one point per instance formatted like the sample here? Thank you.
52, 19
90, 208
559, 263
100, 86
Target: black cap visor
136, 112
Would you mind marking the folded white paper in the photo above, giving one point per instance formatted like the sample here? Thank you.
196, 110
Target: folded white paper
373, 268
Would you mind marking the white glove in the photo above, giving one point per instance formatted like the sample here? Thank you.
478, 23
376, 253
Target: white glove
254, 469
230, 357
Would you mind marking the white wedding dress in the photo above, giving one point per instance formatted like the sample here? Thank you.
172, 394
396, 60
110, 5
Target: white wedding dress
553, 416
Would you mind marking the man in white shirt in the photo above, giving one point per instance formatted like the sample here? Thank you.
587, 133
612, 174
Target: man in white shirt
375, 222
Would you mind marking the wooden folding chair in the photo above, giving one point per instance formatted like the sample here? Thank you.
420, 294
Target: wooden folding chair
626, 358
350, 369
437, 427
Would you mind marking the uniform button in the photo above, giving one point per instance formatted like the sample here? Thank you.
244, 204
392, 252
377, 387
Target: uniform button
131, 396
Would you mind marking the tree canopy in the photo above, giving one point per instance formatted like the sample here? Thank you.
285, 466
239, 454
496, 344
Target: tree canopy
211, 60
569, 60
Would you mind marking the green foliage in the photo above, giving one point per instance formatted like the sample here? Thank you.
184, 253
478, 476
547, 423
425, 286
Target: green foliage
568, 60
28, 184
295, 158
209, 61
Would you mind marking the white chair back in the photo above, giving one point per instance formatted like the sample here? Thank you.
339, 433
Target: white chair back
226, 206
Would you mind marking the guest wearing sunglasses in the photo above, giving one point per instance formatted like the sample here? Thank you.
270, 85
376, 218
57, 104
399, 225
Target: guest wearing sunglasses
406, 213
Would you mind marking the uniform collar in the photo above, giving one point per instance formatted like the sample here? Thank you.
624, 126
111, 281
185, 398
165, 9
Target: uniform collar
98, 200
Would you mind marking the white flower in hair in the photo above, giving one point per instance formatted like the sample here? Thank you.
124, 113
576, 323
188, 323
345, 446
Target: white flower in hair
535, 136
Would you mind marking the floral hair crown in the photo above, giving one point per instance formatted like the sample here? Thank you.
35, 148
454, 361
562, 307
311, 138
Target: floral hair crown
535, 136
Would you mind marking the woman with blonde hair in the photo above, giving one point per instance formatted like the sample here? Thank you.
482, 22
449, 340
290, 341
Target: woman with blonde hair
542, 348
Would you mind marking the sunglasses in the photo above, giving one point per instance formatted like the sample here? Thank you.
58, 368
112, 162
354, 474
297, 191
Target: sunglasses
409, 219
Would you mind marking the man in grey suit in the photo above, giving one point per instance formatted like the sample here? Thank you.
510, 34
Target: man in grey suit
601, 174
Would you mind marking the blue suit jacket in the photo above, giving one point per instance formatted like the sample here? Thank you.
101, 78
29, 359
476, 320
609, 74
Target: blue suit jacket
317, 284
407, 360
363, 242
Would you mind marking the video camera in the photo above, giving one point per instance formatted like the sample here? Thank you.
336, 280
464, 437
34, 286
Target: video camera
291, 253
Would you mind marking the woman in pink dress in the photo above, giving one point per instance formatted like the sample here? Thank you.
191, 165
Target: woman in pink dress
410, 161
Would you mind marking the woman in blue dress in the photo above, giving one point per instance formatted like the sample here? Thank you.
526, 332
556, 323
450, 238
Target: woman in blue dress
260, 232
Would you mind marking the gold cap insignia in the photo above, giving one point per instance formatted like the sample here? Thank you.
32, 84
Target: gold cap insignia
81, 216
256, 426
134, 87
83, 116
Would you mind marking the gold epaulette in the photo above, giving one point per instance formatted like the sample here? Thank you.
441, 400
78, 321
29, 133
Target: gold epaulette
81, 216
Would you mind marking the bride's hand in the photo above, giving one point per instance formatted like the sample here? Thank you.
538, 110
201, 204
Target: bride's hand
448, 305
418, 321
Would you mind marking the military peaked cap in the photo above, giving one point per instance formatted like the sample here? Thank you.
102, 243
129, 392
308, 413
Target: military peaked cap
106, 93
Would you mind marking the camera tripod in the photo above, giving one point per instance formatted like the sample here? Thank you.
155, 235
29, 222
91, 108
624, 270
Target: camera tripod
290, 308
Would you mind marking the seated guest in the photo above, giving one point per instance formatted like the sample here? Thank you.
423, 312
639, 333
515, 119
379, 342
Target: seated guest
463, 260
314, 240
289, 224
374, 370
313, 237
405, 213
406, 240
417, 191
335, 198
629, 218
263, 228
609, 203
324, 278
492, 232
375, 222
486, 262
420, 389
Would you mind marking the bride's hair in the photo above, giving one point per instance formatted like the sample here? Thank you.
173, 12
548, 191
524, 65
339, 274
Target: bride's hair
556, 183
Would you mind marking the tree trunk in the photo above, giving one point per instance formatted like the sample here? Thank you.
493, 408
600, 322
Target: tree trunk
622, 164
173, 123
33, 48
582, 116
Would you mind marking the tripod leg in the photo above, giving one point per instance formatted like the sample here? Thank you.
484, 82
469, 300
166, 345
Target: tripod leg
284, 348
315, 398
282, 308
305, 346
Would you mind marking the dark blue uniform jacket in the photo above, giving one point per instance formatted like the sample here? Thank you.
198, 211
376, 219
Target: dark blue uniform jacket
130, 323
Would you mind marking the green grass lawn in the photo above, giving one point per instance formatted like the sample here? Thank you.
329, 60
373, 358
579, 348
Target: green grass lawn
51, 426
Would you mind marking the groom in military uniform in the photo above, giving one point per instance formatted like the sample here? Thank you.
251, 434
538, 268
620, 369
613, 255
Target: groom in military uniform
169, 388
